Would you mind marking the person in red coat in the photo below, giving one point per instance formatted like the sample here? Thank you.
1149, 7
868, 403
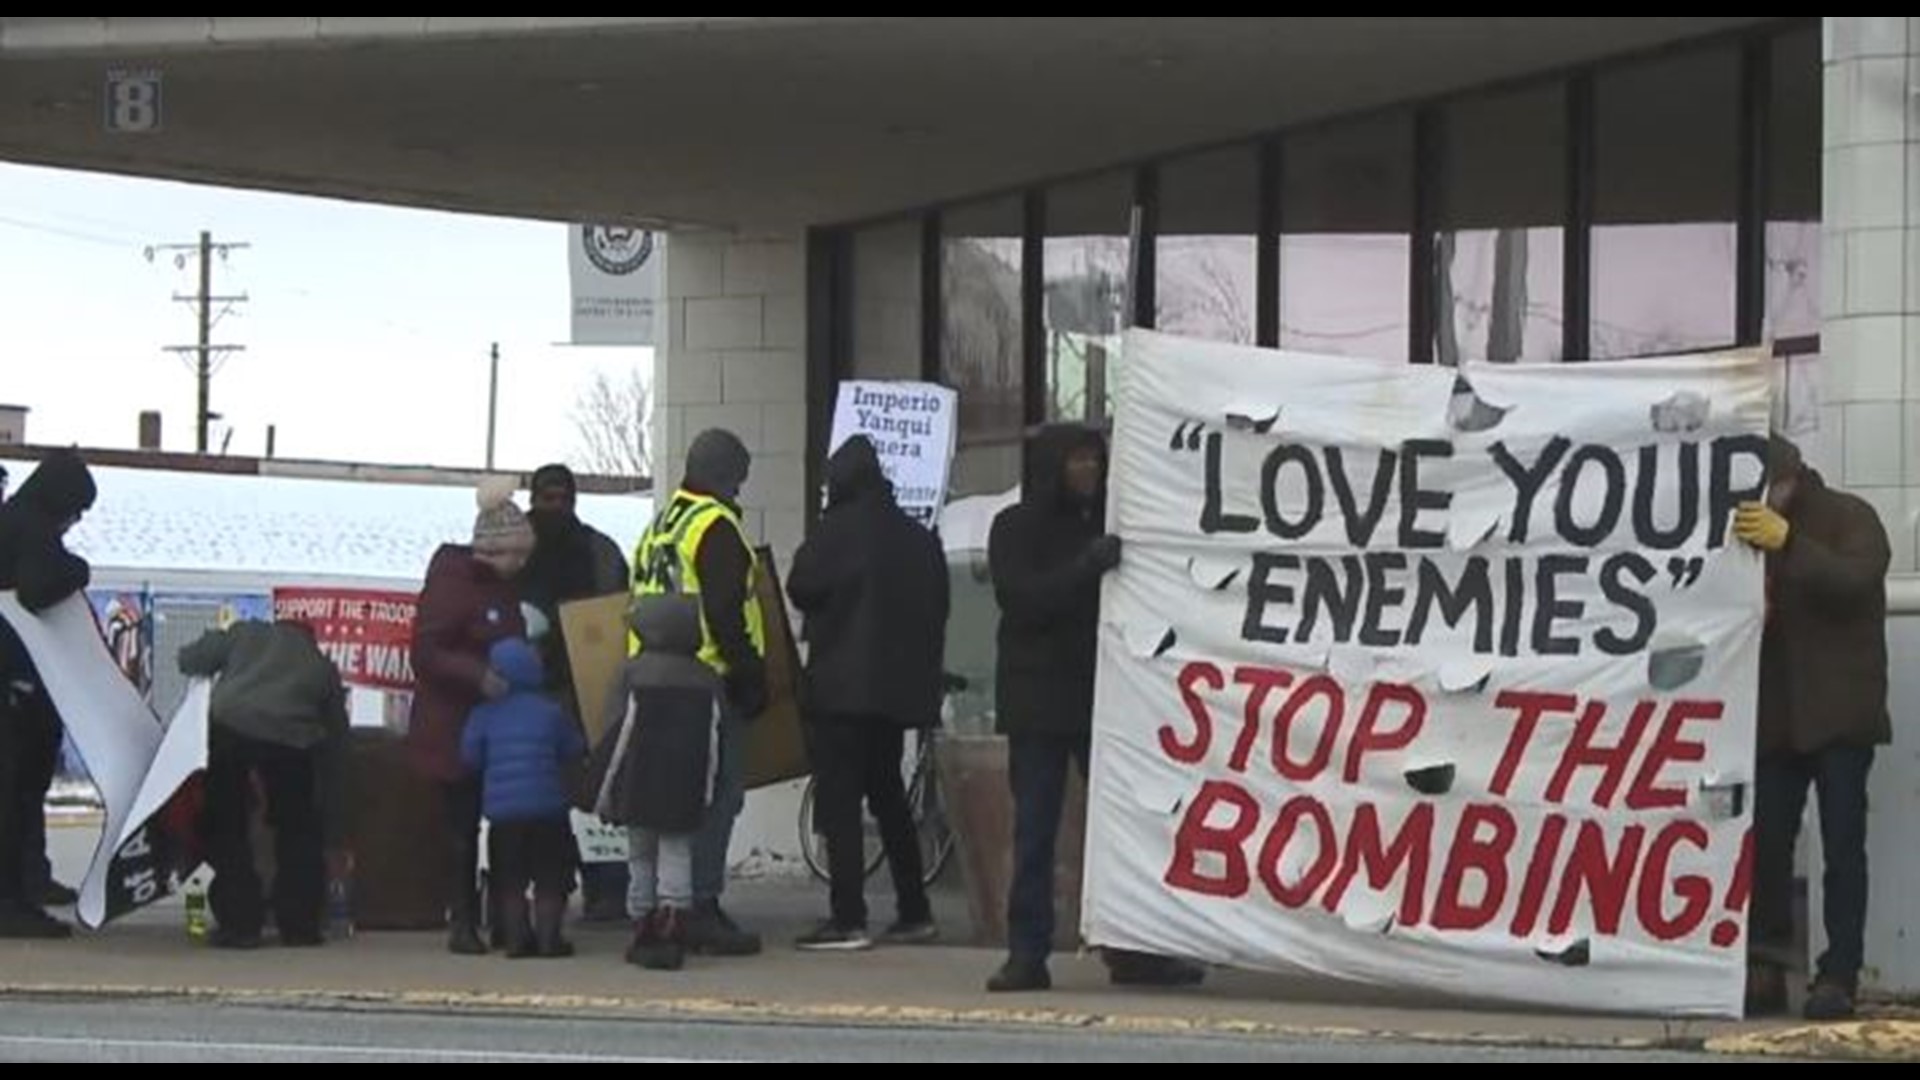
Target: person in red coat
468, 604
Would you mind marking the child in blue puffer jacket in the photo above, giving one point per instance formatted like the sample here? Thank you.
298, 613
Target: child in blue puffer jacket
520, 743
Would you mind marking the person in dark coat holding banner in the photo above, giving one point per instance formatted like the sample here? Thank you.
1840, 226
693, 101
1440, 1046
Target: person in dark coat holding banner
279, 713
572, 561
1823, 710
36, 565
872, 584
1048, 553
468, 604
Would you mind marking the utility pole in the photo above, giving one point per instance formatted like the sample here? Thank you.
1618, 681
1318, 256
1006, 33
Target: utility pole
493, 402
203, 300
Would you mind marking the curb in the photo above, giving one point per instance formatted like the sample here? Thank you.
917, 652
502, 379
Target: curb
730, 1010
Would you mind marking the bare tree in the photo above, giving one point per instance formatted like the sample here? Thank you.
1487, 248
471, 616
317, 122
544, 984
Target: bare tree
610, 419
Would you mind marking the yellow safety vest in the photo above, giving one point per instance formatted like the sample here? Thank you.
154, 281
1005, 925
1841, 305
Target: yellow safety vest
664, 563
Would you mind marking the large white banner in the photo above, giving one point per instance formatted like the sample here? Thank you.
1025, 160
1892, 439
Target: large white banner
137, 764
615, 273
911, 426
1432, 681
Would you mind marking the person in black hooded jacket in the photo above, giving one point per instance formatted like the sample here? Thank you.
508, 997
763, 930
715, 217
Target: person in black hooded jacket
872, 584
36, 565
1048, 553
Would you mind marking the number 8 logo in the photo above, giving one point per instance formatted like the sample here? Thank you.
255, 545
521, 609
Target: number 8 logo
136, 105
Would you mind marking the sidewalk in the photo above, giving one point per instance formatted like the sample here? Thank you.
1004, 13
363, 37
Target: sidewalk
148, 954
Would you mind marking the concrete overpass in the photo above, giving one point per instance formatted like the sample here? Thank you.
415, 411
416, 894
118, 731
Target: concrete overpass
738, 123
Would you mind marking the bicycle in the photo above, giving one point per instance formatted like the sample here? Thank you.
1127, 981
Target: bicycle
930, 823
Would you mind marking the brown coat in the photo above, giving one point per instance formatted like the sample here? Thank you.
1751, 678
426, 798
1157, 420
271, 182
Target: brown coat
1823, 661
464, 609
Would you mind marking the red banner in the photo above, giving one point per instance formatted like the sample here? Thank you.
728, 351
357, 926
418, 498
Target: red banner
366, 632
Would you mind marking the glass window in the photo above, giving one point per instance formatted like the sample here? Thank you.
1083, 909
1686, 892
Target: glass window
1346, 215
1500, 243
1206, 256
1086, 300
1666, 197
886, 301
980, 340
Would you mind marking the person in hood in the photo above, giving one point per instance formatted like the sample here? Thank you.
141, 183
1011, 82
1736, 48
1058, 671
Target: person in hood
1048, 553
468, 604
37, 567
655, 771
279, 714
571, 561
521, 744
872, 585
697, 546
1823, 710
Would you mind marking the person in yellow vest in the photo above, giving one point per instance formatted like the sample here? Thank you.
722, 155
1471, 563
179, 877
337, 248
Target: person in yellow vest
698, 545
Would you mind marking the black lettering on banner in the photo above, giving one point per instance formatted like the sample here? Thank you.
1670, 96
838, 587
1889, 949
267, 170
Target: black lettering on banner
1627, 598
1414, 498
1212, 519
1527, 481
1647, 485
1277, 524
1613, 475
1261, 592
1549, 608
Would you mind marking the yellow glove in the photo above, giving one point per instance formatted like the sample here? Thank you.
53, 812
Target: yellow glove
1761, 526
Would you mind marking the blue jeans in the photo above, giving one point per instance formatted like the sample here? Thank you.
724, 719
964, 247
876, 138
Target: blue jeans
1037, 772
710, 844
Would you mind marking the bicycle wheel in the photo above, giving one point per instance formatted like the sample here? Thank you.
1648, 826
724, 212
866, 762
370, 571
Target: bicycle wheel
813, 846
931, 828
813, 843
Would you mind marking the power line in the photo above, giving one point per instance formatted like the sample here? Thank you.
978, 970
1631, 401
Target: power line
69, 234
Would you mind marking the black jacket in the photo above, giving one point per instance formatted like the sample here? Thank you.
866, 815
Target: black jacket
1047, 581
34, 560
571, 561
872, 585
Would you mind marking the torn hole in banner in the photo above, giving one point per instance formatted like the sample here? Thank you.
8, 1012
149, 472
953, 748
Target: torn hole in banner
1718, 798
1256, 417
1468, 675
1149, 641
1213, 575
1682, 412
1368, 913
1675, 660
1469, 412
1565, 950
1469, 526
1432, 779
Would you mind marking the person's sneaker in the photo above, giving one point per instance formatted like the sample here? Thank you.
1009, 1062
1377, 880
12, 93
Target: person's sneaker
710, 932
1018, 975
302, 939
828, 937
1830, 999
227, 938
21, 921
58, 895
910, 933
